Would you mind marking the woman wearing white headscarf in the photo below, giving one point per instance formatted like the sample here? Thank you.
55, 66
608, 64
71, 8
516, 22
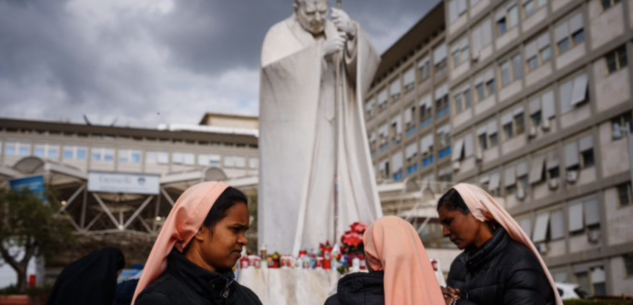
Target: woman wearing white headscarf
499, 265
198, 245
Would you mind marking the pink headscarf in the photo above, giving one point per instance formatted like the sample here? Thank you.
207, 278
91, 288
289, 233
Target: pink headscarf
393, 245
485, 208
183, 222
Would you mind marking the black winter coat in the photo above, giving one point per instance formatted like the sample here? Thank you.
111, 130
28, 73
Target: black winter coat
359, 289
502, 272
184, 283
91, 280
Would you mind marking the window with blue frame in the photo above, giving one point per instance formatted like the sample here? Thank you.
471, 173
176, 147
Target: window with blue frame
428, 161
384, 148
399, 176
136, 157
69, 153
411, 132
9, 149
24, 150
443, 107
81, 154
412, 169
39, 151
444, 153
427, 122
396, 130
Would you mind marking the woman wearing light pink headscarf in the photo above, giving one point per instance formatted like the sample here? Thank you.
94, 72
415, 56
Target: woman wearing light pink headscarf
499, 265
198, 245
400, 270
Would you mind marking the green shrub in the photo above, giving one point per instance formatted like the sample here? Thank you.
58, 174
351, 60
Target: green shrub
600, 302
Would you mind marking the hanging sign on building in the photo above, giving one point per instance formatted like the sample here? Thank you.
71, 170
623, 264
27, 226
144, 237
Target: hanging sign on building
34, 184
123, 183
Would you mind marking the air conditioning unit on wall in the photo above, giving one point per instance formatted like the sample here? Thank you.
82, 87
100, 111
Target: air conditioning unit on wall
572, 176
520, 193
532, 132
593, 236
553, 184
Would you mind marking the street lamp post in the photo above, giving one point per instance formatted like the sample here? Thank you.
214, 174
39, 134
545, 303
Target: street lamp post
617, 134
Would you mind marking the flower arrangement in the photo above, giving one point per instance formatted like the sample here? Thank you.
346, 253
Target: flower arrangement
352, 240
352, 247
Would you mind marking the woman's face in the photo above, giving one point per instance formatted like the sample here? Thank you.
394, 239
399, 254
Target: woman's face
463, 230
223, 244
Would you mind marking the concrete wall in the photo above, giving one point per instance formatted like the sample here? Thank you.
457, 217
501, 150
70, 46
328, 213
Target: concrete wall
611, 90
542, 190
540, 73
460, 22
618, 225
565, 59
614, 156
575, 116
513, 144
506, 38
480, 6
510, 90
558, 4
586, 176
464, 117
535, 19
622, 284
580, 243
630, 4
605, 25
461, 69
491, 154
556, 248
484, 105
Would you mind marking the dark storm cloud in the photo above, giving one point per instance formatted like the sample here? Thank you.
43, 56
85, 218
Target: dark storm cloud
211, 36
141, 60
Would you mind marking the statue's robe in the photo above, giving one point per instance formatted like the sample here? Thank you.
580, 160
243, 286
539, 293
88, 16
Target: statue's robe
312, 135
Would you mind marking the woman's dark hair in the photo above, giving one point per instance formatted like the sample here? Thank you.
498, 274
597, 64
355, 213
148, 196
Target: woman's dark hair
452, 201
229, 198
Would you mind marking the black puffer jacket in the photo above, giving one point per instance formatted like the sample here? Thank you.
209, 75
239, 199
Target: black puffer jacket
502, 272
359, 289
184, 283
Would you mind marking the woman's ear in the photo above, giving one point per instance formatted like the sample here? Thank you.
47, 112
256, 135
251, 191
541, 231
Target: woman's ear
202, 234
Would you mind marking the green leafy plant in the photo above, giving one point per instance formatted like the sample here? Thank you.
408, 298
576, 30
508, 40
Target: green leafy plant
29, 224
598, 302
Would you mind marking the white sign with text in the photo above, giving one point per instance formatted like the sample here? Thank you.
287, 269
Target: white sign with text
123, 183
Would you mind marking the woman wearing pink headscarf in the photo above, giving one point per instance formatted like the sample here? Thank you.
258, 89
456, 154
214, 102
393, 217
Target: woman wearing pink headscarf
499, 265
198, 245
400, 272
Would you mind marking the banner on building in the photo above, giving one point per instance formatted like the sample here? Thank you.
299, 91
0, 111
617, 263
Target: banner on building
123, 183
34, 184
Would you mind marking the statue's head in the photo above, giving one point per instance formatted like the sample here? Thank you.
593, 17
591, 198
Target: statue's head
312, 15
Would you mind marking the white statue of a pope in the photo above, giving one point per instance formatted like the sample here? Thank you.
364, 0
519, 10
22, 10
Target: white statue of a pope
313, 145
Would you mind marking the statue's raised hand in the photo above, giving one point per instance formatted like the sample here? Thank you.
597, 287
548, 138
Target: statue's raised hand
334, 45
343, 23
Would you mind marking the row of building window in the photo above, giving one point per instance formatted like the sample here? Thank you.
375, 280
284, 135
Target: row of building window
543, 168
102, 154
583, 216
508, 17
567, 34
572, 93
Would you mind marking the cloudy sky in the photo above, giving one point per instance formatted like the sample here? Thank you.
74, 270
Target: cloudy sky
147, 62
